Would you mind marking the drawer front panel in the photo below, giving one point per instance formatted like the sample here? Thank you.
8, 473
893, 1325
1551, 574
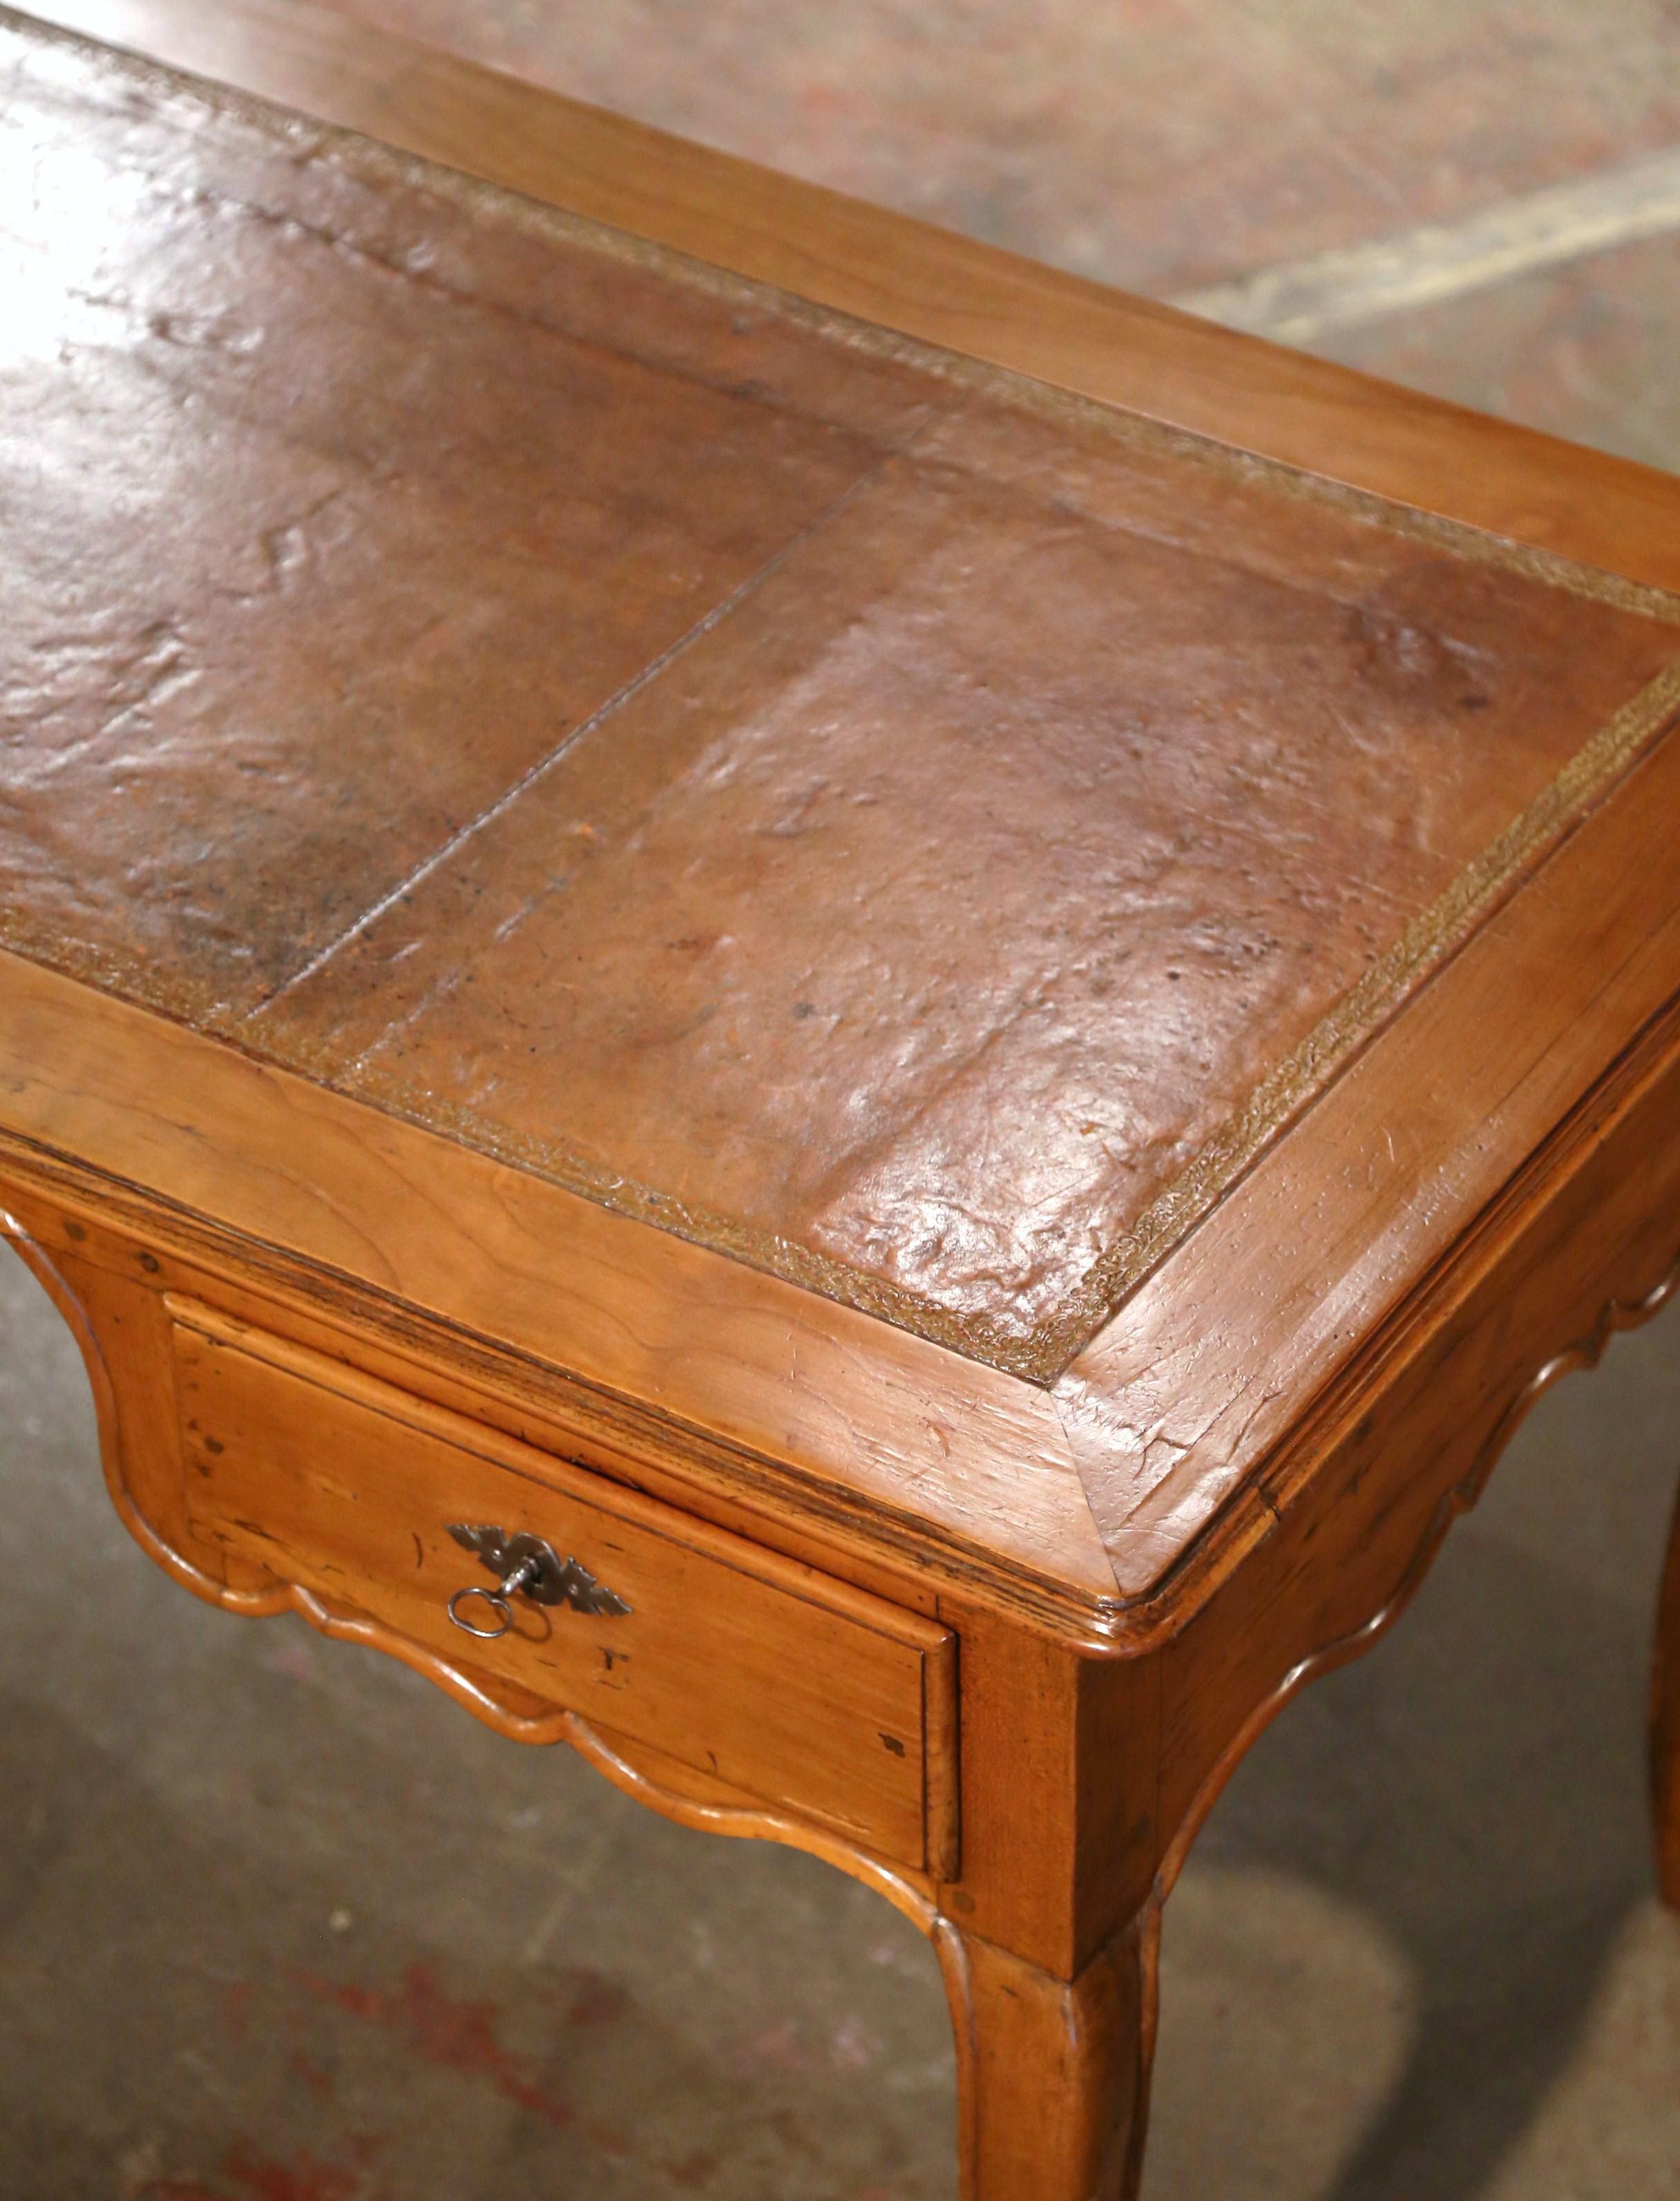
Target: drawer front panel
796, 1688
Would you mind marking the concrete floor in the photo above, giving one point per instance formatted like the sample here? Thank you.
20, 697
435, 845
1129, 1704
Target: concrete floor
279, 1924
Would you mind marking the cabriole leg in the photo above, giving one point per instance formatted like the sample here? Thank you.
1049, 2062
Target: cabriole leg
1666, 1728
1052, 2077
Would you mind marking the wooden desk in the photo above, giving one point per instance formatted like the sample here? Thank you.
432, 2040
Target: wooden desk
941, 1038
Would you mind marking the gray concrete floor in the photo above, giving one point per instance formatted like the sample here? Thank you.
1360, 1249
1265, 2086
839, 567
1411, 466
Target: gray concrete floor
279, 1924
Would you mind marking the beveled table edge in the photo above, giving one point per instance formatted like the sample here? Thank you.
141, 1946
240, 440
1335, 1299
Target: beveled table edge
932, 1458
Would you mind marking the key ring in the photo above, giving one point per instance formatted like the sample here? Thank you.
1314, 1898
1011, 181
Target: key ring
492, 1598
500, 1598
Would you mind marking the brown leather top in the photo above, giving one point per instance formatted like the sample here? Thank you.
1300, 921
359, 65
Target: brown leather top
916, 831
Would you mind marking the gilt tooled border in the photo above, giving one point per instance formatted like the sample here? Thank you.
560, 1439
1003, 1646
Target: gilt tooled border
1038, 1355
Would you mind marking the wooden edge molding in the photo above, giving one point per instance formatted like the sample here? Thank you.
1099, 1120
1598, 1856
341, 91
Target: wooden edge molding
603, 1421
1583, 1355
1261, 1491
942, 1758
342, 1380
795, 1401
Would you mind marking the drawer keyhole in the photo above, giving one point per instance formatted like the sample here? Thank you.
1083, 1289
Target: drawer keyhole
525, 1567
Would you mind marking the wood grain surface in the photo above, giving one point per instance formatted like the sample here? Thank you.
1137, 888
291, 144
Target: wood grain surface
858, 1428
779, 1682
1473, 1093
120, 1327
1052, 2077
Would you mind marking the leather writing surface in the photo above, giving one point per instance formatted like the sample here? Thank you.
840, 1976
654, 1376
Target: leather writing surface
912, 831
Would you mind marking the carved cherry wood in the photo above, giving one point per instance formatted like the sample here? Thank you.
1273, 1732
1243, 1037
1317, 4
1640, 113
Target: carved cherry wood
340, 1193
678, 1791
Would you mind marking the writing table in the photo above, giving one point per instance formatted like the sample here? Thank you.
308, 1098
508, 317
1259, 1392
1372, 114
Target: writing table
829, 1014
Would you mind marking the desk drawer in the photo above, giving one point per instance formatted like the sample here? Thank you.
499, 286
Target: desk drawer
788, 1685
